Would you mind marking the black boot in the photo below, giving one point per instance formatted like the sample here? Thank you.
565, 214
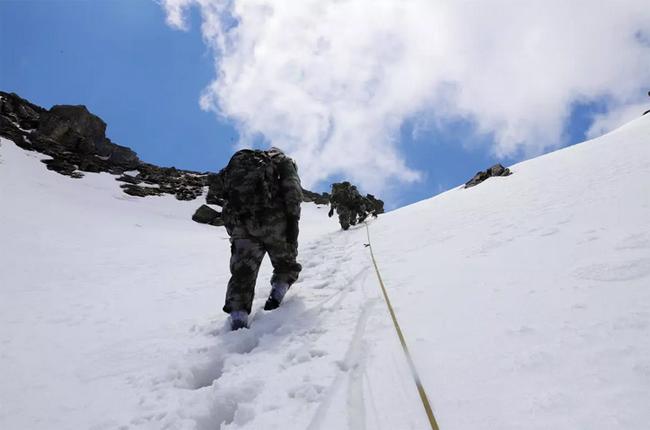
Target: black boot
278, 291
238, 319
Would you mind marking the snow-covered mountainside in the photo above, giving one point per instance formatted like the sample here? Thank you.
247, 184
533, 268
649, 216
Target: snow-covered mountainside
525, 302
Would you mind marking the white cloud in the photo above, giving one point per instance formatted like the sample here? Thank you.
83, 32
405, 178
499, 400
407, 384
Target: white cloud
331, 81
604, 123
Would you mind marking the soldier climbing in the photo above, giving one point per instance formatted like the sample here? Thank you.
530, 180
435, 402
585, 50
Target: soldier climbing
351, 207
262, 195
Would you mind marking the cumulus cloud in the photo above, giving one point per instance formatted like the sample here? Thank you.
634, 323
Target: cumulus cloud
604, 123
331, 81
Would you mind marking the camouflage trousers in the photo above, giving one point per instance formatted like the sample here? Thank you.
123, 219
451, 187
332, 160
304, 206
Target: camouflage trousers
346, 217
249, 244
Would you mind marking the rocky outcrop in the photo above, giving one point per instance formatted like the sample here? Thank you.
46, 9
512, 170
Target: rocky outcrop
496, 170
24, 114
82, 133
18, 118
206, 215
319, 199
155, 181
76, 140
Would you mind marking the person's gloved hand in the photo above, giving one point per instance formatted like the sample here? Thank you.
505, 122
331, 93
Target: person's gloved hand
292, 229
331, 212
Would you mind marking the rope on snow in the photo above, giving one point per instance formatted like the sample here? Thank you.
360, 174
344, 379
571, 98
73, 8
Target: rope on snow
409, 359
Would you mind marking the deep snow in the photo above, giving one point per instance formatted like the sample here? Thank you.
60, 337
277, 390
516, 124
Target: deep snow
525, 302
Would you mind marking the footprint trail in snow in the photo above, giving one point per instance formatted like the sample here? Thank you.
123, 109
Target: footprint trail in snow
294, 364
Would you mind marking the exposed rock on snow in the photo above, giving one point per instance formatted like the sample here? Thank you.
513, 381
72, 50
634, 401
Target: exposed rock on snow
134, 190
63, 167
206, 215
70, 134
496, 170
129, 179
76, 140
319, 199
83, 133
19, 111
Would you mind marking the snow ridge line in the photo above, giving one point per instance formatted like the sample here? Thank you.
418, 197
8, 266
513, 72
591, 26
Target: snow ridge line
414, 373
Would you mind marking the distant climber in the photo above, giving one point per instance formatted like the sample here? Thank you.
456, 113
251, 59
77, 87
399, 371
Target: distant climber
375, 205
346, 200
262, 196
352, 208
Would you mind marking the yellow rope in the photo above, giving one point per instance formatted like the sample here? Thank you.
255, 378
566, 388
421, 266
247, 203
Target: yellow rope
414, 373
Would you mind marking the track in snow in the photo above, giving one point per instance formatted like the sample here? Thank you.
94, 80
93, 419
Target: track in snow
314, 377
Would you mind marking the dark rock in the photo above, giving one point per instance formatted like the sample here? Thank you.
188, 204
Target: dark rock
81, 132
122, 156
319, 199
134, 190
62, 167
19, 111
89, 165
184, 184
11, 131
496, 170
206, 215
129, 179
76, 128
69, 133
188, 193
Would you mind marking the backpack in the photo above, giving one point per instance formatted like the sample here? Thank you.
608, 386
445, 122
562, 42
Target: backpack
250, 182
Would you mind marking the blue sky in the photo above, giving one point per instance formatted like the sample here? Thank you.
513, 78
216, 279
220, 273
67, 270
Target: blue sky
121, 60
116, 59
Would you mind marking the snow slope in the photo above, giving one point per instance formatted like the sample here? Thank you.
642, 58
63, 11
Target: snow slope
525, 302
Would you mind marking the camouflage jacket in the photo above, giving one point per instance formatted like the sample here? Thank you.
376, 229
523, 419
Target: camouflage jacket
346, 195
285, 204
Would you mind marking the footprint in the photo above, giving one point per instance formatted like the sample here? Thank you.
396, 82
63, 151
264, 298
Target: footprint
635, 241
307, 391
204, 374
521, 331
231, 405
319, 285
608, 272
317, 353
549, 232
